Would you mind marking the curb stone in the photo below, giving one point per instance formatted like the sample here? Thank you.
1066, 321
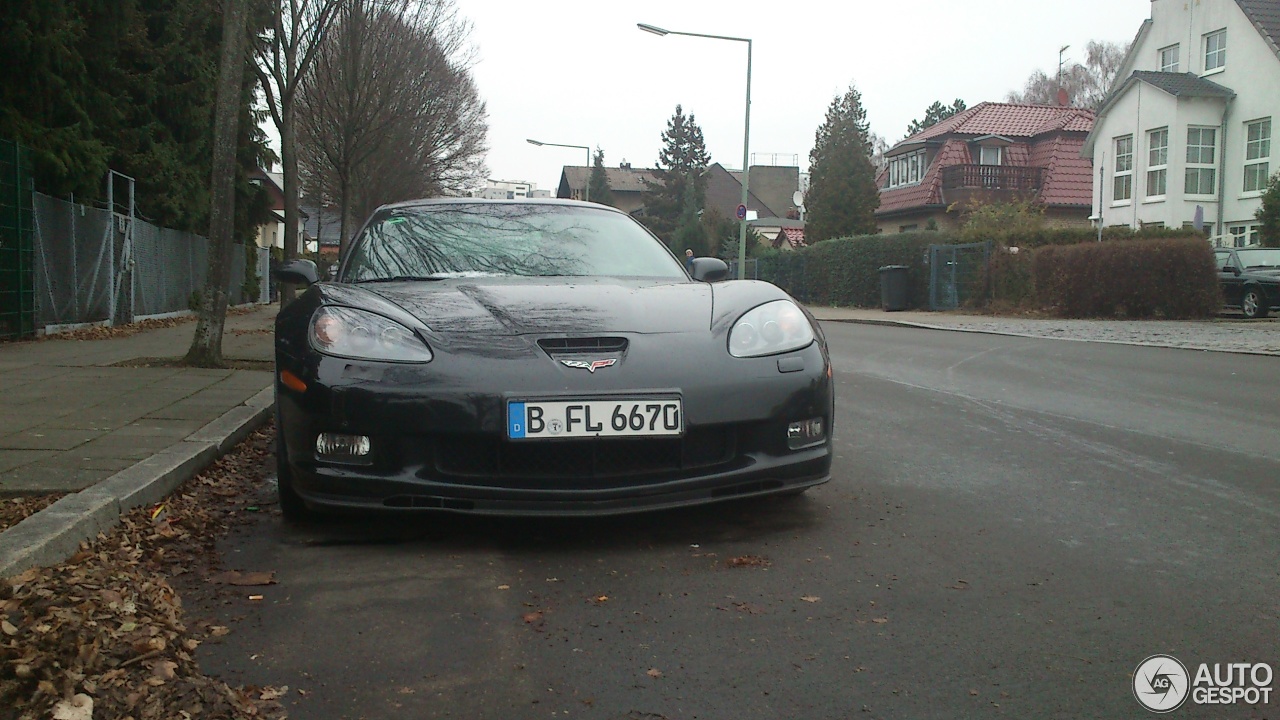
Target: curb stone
55, 533
1010, 333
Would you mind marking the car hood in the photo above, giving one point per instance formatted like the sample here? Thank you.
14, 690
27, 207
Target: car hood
547, 306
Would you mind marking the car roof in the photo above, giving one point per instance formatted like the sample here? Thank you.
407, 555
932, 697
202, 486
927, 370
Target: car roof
561, 202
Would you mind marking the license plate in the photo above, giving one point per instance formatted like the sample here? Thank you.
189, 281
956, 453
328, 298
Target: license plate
528, 420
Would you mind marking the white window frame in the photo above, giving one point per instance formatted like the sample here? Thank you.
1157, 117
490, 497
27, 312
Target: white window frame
1123, 171
908, 169
1215, 54
1166, 65
1157, 164
1244, 234
982, 154
1201, 161
1257, 156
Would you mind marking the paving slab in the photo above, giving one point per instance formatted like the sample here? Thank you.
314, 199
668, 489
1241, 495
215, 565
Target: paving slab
82, 398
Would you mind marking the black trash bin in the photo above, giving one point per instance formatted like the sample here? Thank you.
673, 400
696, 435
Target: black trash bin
894, 288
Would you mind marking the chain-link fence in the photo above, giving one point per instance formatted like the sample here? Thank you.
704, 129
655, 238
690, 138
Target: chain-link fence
93, 265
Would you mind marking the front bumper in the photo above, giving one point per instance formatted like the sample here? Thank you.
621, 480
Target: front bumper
439, 445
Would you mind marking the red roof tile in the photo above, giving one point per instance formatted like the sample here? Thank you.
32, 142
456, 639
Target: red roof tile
1009, 120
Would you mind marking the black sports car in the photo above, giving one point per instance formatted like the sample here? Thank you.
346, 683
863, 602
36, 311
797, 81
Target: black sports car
540, 358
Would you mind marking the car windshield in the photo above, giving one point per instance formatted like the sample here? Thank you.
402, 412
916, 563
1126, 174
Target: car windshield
1262, 257
434, 242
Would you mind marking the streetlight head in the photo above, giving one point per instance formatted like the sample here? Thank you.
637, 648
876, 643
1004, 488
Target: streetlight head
651, 29
534, 142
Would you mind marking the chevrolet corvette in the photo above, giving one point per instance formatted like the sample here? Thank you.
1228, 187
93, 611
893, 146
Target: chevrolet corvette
545, 357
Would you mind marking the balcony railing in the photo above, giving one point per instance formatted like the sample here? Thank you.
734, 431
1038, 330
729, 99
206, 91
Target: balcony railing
992, 177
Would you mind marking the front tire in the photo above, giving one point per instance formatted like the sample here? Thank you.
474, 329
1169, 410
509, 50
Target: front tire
1254, 303
292, 507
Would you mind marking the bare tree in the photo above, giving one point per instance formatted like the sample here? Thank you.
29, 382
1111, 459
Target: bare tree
206, 345
1086, 85
390, 111
879, 146
284, 54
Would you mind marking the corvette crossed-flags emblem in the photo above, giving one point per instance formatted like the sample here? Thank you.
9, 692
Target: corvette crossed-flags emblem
590, 365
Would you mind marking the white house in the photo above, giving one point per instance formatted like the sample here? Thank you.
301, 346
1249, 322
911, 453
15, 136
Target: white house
1186, 134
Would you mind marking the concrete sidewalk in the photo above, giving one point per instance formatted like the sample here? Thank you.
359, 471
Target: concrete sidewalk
73, 412
1227, 333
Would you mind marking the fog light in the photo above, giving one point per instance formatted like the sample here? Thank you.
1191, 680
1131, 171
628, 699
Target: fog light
333, 446
805, 433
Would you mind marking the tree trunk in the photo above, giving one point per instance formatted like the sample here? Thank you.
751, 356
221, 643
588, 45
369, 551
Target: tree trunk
344, 209
289, 164
206, 346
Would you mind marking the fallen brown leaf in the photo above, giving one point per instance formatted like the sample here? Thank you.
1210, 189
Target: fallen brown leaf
654, 673
532, 617
272, 693
79, 707
880, 621
810, 598
748, 561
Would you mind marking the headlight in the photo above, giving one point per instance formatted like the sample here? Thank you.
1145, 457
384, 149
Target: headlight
772, 328
347, 332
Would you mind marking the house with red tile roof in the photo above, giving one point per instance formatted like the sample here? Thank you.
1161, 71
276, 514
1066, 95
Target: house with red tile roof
992, 152
1185, 137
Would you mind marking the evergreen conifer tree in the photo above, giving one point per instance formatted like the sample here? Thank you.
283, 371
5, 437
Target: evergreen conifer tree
682, 161
843, 196
600, 191
690, 233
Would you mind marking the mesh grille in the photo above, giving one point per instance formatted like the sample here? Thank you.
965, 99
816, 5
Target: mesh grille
489, 457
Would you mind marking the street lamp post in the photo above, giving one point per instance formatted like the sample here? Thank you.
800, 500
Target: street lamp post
586, 192
746, 135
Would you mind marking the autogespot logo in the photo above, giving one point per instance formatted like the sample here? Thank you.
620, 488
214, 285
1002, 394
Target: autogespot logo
1161, 683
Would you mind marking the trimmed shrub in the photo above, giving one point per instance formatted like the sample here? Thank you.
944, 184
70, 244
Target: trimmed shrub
1011, 279
1165, 278
846, 271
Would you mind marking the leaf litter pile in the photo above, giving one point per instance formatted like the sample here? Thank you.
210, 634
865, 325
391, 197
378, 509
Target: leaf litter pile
104, 635
15, 510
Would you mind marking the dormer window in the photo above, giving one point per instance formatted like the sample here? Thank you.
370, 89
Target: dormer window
1169, 58
989, 155
907, 169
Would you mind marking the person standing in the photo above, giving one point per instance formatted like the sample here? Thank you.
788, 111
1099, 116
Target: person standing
688, 261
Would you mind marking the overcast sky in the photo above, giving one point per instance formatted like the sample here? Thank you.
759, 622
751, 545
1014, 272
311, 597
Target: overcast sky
579, 71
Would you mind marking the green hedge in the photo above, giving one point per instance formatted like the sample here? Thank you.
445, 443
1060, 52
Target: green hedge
846, 271
1166, 278
1161, 265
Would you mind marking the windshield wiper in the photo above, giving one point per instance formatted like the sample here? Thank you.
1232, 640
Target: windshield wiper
402, 278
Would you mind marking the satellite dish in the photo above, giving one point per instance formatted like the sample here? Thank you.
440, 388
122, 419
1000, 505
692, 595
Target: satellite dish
797, 199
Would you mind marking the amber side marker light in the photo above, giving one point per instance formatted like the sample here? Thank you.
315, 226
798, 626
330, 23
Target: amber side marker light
293, 382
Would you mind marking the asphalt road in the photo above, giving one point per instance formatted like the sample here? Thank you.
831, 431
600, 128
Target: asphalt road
1012, 526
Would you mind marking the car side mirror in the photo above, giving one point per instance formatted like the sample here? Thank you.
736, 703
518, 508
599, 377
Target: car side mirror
709, 269
1234, 270
298, 272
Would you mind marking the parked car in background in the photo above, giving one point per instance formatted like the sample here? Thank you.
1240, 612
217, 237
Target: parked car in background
540, 357
1250, 279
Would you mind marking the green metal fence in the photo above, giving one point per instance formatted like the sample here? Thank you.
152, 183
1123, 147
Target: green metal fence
17, 296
